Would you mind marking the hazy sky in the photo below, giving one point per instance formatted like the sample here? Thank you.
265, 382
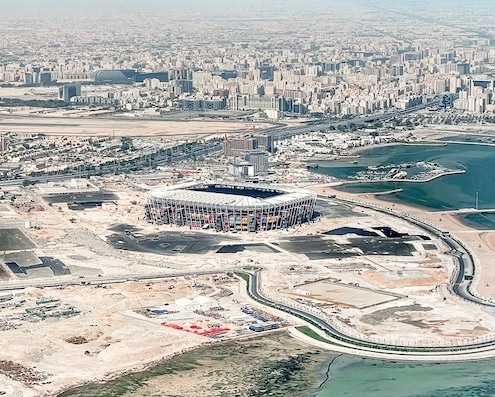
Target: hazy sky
43, 8
164, 4
27, 8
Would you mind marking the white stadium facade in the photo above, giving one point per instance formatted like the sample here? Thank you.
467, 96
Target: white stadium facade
228, 206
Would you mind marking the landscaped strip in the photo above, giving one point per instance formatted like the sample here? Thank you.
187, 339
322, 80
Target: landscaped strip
304, 329
351, 342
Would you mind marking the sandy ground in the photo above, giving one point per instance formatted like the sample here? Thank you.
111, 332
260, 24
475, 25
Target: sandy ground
125, 126
118, 341
480, 243
397, 299
113, 340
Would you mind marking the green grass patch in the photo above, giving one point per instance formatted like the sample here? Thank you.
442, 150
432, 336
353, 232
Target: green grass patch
244, 276
312, 334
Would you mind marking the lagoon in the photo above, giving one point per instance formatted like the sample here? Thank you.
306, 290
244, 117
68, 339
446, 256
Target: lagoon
444, 193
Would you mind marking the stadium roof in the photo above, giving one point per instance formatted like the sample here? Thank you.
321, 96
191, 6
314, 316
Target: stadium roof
181, 193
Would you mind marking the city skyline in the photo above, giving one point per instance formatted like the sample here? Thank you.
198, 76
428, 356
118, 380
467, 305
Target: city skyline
219, 197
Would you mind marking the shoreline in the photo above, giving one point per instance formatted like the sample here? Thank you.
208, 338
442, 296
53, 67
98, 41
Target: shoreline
273, 355
481, 242
389, 180
207, 344
325, 377
429, 137
150, 365
356, 151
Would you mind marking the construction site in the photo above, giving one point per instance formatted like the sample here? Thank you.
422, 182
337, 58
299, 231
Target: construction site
103, 291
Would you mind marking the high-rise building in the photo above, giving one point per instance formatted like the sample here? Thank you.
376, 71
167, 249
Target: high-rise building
4, 143
238, 146
439, 86
259, 161
68, 91
151, 84
265, 142
45, 77
28, 78
36, 74
463, 68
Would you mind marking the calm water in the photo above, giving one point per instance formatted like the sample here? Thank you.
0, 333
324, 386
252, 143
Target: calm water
356, 377
448, 192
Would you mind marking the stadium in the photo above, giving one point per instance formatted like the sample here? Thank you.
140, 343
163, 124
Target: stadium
230, 206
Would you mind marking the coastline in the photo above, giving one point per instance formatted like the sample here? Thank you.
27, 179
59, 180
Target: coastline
481, 243
278, 364
150, 365
356, 152
431, 178
369, 196
324, 374
428, 138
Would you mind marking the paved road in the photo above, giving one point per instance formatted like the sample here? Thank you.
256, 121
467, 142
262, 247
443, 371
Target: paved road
460, 285
465, 211
466, 269
71, 280
287, 132
181, 153
358, 344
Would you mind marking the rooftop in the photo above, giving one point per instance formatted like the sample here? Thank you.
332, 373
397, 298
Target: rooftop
185, 193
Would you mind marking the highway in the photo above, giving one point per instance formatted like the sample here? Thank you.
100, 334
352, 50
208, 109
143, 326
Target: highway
183, 152
62, 281
466, 269
142, 161
287, 132
460, 285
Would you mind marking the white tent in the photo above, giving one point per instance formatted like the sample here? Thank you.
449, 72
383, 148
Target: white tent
206, 302
187, 303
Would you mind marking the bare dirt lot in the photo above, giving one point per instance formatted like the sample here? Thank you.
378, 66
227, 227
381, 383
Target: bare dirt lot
90, 332
331, 292
84, 332
125, 126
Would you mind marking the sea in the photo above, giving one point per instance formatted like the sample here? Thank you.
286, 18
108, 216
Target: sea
351, 376
355, 376
445, 193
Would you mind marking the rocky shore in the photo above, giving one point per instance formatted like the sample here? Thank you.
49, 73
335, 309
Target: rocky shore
273, 365
280, 377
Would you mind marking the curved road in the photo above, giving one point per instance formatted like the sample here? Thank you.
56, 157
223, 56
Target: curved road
341, 339
459, 286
